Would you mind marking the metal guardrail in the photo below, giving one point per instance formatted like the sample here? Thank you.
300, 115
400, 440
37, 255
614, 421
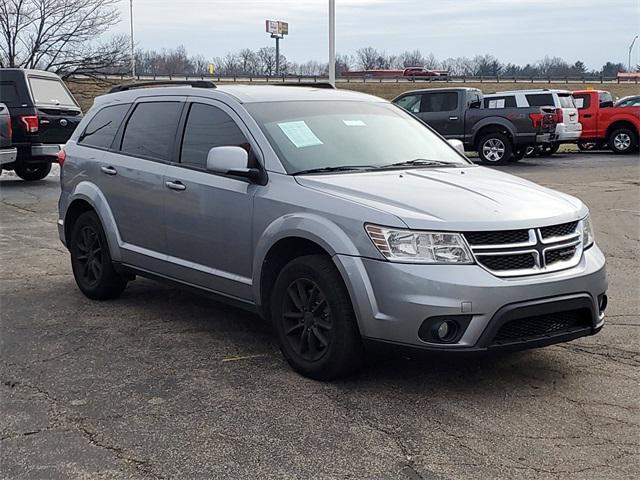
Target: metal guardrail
363, 79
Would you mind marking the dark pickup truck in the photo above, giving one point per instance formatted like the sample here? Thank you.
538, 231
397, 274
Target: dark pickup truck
43, 115
497, 134
7, 152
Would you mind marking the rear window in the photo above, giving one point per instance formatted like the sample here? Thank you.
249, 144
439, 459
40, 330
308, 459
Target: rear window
439, 102
9, 94
151, 130
102, 128
49, 91
566, 101
540, 100
500, 102
582, 101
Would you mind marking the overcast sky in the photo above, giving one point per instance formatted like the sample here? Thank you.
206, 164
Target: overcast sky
518, 31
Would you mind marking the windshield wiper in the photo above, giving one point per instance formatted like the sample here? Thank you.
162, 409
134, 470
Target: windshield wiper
418, 162
341, 168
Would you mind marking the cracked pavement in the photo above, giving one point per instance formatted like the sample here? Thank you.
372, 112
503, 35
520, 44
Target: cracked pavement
162, 383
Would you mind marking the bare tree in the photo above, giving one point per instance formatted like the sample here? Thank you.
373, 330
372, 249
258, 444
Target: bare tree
60, 35
367, 58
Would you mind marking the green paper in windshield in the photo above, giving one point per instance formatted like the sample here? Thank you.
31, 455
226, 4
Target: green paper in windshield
300, 134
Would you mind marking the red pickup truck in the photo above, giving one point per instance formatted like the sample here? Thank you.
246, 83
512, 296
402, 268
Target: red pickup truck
602, 123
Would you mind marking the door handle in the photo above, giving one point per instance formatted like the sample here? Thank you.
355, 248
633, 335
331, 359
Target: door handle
108, 170
453, 118
177, 185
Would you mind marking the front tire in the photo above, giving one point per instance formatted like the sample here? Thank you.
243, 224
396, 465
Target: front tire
623, 140
91, 261
314, 320
33, 171
495, 149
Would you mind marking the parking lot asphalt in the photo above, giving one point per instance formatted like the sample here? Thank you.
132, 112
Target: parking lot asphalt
162, 383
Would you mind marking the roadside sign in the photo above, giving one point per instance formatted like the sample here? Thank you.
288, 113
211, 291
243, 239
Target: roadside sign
276, 27
211, 69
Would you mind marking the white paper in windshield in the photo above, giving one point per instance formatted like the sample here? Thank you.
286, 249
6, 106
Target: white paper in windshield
300, 134
354, 123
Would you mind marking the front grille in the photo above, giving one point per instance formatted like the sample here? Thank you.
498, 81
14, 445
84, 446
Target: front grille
561, 230
508, 262
559, 255
498, 237
532, 328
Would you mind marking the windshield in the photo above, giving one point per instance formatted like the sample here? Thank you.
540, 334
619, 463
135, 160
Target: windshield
315, 135
49, 91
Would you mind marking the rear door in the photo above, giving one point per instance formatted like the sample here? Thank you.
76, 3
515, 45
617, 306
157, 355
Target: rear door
131, 176
441, 111
58, 112
209, 215
587, 114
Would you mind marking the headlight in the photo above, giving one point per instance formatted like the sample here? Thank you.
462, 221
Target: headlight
420, 247
587, 232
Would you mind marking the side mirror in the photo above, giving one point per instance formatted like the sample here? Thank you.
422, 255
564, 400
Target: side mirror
457, 144
232, 161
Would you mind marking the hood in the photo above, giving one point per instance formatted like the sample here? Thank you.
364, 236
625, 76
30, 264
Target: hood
470, 198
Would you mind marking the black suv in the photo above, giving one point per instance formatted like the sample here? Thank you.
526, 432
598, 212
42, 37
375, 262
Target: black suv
44, 114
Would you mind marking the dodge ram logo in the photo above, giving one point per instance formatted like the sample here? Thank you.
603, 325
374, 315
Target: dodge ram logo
63, 122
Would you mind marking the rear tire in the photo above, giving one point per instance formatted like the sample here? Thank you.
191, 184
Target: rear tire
518, 155
314, 320
91, 260
589, 146
495, 149
623, 140
550, 149
33, 171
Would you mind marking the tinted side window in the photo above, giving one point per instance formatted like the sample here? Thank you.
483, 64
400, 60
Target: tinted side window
9, 94
540, 100
410, 103
102, 128
500, 102
606, 100
582, 101
439, 102
208, 127
151, 130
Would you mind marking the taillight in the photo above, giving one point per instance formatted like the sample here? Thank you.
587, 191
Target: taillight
536, 119
30, 123
62, 156
10, 130
559, 115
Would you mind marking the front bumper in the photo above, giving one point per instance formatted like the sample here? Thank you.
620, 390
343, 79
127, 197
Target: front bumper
568, 132
392, 300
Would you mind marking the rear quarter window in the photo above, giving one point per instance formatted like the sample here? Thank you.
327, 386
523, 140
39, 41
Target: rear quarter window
540, 100
102, 128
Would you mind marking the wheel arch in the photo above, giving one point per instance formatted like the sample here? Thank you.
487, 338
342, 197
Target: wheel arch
623, 123
492, 126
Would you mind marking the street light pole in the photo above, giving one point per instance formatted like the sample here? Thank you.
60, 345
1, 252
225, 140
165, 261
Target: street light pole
631, 48
133, 58
332, 42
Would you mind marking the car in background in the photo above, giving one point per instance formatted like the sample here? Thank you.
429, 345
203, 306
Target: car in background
497, 134
43, 115
568, 127
630, 101
339, 217
7, 152
604, 124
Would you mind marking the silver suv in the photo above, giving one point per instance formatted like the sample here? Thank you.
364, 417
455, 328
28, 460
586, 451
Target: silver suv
338, 216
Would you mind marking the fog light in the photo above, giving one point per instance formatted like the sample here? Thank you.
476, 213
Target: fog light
443, 330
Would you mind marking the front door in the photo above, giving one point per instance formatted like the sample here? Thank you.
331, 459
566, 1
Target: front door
208, 215
440, 111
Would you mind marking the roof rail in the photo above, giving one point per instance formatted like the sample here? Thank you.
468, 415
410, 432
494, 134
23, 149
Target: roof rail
306, 84
193, 83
